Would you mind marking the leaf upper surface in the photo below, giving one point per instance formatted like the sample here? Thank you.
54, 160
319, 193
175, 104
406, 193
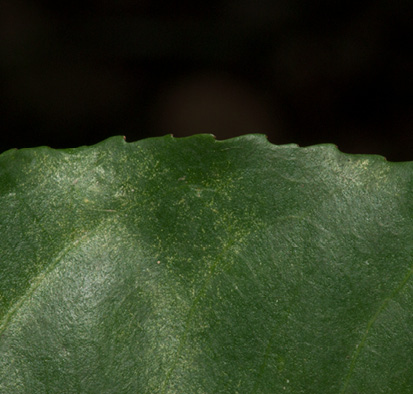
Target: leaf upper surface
200, 266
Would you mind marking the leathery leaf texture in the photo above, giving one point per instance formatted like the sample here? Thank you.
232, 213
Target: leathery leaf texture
201, 266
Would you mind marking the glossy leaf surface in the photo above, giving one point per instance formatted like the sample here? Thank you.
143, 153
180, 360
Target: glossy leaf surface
201, 266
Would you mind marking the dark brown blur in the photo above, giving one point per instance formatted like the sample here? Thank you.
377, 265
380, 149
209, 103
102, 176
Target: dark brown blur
307, 72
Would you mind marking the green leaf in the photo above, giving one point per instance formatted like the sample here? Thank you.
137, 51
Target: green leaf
201, 266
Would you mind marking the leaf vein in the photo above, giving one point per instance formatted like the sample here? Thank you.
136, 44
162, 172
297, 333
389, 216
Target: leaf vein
37, 282
370, 324
189, 317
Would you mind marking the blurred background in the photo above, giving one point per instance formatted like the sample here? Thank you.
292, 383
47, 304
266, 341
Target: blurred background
308, 72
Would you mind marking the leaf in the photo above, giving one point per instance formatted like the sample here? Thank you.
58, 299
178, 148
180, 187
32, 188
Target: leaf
201, 266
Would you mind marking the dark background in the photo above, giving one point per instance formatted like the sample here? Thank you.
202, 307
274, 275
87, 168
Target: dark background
308, 72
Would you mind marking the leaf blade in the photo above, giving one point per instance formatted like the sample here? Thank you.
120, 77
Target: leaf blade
196, 265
